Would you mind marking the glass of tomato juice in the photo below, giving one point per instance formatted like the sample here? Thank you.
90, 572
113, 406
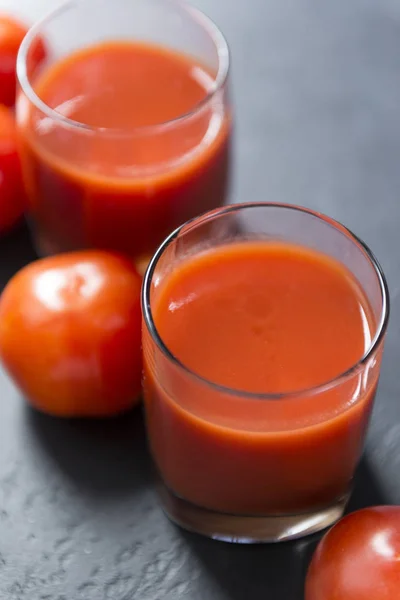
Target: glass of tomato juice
263, 334
125, 128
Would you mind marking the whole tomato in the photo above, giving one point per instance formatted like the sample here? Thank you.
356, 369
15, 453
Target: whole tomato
70, 330
11, 35
11, 188
359, 558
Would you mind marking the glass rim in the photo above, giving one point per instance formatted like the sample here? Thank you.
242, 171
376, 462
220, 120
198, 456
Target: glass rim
197, 15
295, 394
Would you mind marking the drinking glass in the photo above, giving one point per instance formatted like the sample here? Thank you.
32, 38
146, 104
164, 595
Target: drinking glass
137, 195
286, 470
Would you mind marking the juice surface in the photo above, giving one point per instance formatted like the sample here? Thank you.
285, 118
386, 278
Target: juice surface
124, 183
262, 318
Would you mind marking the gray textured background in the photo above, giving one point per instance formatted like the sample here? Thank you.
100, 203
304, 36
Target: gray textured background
317, 95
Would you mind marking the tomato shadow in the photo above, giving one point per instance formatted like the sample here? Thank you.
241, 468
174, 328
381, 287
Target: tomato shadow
16, 251
273, 571
366, 489
105, 457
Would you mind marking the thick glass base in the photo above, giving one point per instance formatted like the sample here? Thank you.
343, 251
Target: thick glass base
247, 529
44, 246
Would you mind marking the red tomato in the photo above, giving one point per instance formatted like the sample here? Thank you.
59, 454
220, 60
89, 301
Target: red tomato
359, 558
11, 188
70, 333
11, 35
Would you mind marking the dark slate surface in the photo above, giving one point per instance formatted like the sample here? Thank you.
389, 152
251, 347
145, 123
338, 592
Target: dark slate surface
317, 91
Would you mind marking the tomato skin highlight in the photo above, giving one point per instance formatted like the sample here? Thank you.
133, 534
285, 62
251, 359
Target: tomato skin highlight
12, 32
359, 558
70, 333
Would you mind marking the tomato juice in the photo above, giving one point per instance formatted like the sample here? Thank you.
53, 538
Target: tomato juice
137, 143
246, 319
